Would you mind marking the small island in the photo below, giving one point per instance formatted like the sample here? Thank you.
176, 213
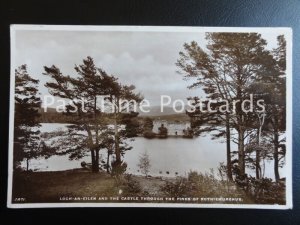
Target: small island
164, 129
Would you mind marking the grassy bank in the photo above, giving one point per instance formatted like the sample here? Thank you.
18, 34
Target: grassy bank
51, 186
83, 186
38, 187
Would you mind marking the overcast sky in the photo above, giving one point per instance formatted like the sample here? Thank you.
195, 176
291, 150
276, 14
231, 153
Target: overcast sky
145, 59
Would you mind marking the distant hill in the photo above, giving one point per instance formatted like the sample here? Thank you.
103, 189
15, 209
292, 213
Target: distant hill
169, 114
156, 111
178, 117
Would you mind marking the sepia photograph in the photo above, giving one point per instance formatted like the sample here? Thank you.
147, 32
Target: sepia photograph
144, 116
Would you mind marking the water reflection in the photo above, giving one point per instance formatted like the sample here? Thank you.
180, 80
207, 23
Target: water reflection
168, 157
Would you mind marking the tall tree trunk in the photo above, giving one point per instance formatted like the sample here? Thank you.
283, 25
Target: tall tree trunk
257, 160
27, 164
276, 146
107, 161
117, 141
92, 149
95, 153
240, 119
241, 153
257, 164
97, 161
228, 148
93, 157
117, 147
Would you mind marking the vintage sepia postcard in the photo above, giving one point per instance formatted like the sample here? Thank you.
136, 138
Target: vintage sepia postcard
133, 116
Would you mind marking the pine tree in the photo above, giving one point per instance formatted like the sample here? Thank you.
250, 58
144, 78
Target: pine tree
89, 120
278, 109
27, 142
